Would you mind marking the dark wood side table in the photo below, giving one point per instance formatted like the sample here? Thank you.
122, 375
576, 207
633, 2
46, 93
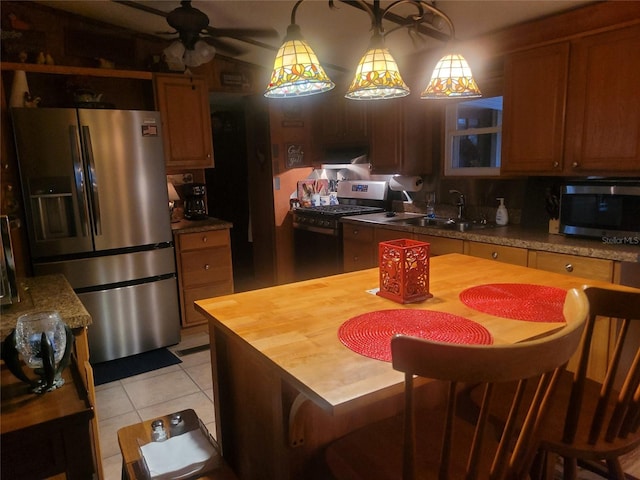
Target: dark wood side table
132, 437
48, 434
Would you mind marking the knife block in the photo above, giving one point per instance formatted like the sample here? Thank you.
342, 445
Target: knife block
404, 270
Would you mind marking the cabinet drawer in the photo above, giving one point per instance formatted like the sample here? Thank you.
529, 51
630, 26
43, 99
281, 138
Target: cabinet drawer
585, 267
386, 235
358, 256
356, 232
441, 245
192, 316
205, 266
500, 253
208, 239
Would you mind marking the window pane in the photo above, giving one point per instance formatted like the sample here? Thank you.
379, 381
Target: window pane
476, 150
482, 113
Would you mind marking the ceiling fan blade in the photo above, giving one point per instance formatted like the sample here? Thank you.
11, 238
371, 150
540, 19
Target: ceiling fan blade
243, 32
223, 46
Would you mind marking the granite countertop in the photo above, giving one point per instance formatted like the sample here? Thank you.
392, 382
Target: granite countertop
513, 236
193, 226
46, 292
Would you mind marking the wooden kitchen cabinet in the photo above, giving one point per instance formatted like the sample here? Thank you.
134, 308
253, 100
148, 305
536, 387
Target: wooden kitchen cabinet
204, 270
500, 253
589, 268
343, 122
358, 247
603, 115
534, 99
441, 245
401, 140
568, 110
183, 101
594, 268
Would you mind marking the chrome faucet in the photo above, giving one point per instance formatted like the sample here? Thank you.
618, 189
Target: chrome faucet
461, 205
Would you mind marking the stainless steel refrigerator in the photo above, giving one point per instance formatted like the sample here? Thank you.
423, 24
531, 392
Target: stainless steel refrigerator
95, 197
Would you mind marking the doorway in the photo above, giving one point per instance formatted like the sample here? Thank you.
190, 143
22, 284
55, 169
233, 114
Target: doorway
227, 185
240, 193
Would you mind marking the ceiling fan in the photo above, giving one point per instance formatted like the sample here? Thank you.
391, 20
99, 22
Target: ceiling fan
192, 25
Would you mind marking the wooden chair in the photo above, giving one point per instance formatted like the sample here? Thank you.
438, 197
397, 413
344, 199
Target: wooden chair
591, 421
436, 443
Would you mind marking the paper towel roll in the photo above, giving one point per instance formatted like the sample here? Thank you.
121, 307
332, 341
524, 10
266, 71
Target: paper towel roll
408, 184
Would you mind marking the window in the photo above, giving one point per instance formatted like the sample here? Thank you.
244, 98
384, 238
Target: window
473, 137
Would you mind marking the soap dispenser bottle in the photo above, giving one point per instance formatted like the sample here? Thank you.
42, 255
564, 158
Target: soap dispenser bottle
502, 215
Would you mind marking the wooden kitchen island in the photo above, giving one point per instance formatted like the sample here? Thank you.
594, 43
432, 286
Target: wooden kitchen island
285, 385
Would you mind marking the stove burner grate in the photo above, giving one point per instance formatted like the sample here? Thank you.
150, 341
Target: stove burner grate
338, 210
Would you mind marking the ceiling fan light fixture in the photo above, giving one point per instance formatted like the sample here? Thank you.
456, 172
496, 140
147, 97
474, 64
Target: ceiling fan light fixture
202, 53
178, 57
451, 78
296, 69
377, 76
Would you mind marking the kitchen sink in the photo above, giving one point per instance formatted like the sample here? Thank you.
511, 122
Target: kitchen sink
444, 223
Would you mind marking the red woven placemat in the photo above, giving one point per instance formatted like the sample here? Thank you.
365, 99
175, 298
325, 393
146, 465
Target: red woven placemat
370, 334
518, 301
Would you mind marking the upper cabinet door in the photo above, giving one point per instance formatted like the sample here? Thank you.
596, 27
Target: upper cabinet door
401, 138
344, 122
183, 101
603, 110
535, 88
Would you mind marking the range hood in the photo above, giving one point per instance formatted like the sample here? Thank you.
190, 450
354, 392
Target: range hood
345, 157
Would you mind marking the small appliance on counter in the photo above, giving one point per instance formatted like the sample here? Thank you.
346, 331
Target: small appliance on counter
601, 209
195, 201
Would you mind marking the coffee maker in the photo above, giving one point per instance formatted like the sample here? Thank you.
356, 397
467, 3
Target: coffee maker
195, 202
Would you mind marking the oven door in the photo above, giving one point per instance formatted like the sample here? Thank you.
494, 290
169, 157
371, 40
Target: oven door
317, 254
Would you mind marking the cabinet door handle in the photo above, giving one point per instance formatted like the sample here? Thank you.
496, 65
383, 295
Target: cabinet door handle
556, 164
206, 266
204, 239
575, 165
355, 258
568, 267
494, 255
355, 232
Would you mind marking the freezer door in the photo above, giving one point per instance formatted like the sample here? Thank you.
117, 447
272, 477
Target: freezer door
133, 319
53, 181
125, 169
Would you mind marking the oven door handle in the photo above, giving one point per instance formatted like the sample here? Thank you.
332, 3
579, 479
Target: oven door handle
323, 231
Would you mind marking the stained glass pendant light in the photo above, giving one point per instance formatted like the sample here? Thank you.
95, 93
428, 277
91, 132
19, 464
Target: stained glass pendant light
296, 70
451, 78
377, 76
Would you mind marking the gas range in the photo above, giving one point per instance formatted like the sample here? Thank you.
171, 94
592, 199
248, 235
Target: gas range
356, 197
326, 218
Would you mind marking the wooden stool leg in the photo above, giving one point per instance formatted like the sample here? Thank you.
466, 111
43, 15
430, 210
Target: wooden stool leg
570, 468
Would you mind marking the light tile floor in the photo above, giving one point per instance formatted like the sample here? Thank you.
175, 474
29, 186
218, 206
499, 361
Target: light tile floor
135, 399
182, 386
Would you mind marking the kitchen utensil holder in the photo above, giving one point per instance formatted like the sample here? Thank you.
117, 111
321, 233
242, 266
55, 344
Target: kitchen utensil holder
404, 270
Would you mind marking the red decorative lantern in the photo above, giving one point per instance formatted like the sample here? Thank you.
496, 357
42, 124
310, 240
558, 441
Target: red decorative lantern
404, 270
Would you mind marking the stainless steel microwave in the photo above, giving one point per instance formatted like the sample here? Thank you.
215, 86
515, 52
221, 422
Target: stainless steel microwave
607, 210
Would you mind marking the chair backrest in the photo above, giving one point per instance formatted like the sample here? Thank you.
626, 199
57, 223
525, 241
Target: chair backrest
537, 360
617, 412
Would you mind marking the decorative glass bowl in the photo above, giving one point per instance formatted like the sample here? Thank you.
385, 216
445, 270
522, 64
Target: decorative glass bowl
44, 343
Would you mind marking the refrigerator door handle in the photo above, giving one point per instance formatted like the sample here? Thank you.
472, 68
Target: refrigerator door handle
78, 175
93, 181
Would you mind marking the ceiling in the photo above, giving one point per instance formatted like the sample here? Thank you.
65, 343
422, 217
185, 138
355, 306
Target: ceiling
339, 36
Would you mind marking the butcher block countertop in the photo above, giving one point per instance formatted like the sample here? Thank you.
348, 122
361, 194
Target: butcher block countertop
293, 327
45, 292
515, 236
